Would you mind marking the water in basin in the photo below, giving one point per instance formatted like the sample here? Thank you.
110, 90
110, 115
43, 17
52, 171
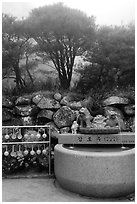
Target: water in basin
97, 148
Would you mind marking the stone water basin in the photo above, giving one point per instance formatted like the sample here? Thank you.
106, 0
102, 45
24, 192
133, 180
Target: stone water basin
96, 171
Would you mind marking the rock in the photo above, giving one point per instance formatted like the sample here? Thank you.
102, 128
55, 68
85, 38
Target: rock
45, 114
57, 96
36, 99
6, 114
34, 111
65, 130
113, 100
54, 131
23, 110
22, 101
130, 110
65, 101
75, 105
13, 122
6, 103
64, 117
47, 103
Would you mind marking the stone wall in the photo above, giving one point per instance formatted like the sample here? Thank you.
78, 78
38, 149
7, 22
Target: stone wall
60, 112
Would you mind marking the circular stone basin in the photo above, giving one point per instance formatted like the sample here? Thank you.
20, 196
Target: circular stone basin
95, 171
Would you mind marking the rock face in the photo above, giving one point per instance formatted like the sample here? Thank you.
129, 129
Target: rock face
64, 117
47, 103
113, 100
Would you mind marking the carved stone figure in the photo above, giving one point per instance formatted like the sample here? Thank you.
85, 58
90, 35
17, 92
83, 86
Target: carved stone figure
74, 127
84, 118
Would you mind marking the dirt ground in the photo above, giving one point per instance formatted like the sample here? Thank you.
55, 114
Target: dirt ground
43, 190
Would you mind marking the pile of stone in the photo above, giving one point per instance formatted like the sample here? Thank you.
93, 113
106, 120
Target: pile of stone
60, 112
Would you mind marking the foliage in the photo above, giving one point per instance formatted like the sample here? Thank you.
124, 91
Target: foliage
112, 59
61, 33
15, 46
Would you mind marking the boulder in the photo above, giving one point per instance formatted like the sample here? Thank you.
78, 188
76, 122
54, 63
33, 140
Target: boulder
45, 114
130, 110
47, 103
23, 110
6, 103
22, 101
64, 117
113, 100
57, 96
36, 99
6, 114
54, 131
75, 105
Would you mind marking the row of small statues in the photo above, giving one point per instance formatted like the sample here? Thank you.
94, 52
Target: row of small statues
84, 119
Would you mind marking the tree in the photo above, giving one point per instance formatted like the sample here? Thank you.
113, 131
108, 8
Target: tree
62, 33
112, 59
16, 45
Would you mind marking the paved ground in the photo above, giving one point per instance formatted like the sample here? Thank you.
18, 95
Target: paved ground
42, 190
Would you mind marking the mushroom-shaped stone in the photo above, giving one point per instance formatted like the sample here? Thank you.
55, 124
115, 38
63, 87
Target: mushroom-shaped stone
64, 117
113, 100
47, 103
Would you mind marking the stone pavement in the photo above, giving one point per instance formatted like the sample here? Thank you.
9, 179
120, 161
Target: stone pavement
43, 190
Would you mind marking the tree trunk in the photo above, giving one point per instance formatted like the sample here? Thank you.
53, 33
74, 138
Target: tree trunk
19, 83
